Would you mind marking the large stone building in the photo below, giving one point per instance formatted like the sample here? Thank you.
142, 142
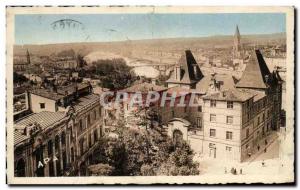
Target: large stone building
60, 135
234, 115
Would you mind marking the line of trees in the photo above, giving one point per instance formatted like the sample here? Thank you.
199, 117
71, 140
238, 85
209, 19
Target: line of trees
113, 73
141, 153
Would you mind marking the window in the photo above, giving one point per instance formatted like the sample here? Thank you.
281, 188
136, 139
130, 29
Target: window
72, 155
95, 114
173, 113
212, 132
95, 136
213, 103
228, 148
247, 133
212, 117
80, 125
89, 119
90, 140
247, 146
258, 120
81, 151
199, 122
50, 148
230, 104
228, 135
42, 105
263, 117
185, 109
229, 119
63, 138
212, 145
199, 108
56, 145
100, 111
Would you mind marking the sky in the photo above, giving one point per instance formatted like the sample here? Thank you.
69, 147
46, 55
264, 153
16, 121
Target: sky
40, 29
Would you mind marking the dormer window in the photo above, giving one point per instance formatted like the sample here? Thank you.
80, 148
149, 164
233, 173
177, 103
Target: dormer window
267, 78
42, 105
195, 70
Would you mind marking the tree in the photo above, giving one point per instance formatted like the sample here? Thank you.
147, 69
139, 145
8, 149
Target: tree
148, 153
101, 170
180, 162
18, 78
114, 73
66, 53
147, 170
80, 61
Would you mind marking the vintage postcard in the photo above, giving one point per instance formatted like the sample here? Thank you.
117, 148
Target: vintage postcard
150, 95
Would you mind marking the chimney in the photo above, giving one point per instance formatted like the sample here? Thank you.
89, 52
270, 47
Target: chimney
266, 78
153, 81
26, 131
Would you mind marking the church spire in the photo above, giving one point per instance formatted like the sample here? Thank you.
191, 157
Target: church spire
237, 32
28, 57
237, 47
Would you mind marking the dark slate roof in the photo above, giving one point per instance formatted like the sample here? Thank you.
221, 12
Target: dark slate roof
255, 72
188, 75
237, 95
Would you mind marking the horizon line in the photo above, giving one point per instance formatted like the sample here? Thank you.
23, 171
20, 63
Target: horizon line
116, 41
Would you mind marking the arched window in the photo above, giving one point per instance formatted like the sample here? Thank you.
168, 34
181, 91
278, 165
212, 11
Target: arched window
63, 138
95, 136
56, 142
177, 136
20, 168
50, 148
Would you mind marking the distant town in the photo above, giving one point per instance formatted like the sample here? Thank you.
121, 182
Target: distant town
62, 129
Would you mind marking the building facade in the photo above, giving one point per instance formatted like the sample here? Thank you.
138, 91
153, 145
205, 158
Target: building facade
58, 139
232, 116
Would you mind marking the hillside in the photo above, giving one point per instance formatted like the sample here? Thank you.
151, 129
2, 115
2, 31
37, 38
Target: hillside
150, 44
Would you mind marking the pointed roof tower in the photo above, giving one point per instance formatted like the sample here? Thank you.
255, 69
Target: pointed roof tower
237, 38
28, 57
256, 74
186, 70
237, 31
